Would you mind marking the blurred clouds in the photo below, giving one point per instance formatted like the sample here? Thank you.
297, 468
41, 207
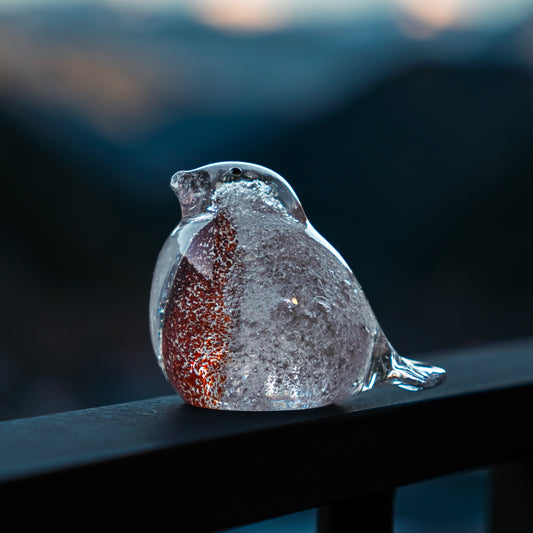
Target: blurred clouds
249, 15
421, 19
264, 14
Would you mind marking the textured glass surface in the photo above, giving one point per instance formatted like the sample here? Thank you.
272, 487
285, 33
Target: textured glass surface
252, 309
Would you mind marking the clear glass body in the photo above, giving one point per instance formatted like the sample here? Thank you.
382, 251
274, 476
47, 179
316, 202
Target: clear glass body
252, 310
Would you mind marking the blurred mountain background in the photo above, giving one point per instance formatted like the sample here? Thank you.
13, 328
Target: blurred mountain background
405, 127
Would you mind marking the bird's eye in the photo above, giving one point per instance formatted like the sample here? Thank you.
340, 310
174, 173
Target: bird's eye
236, 171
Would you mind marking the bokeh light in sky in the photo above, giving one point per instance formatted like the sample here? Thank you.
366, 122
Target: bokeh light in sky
270, 14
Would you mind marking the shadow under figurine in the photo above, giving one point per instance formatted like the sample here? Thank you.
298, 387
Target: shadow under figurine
251, 309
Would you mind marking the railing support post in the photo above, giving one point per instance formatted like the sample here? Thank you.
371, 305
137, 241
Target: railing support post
511, 497
371, 513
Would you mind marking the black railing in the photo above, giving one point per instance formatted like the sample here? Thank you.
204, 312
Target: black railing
160, 465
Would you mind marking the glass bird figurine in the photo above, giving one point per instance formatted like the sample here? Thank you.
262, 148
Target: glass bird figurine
251, 309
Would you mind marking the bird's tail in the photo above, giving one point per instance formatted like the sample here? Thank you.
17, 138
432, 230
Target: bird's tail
387, 367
